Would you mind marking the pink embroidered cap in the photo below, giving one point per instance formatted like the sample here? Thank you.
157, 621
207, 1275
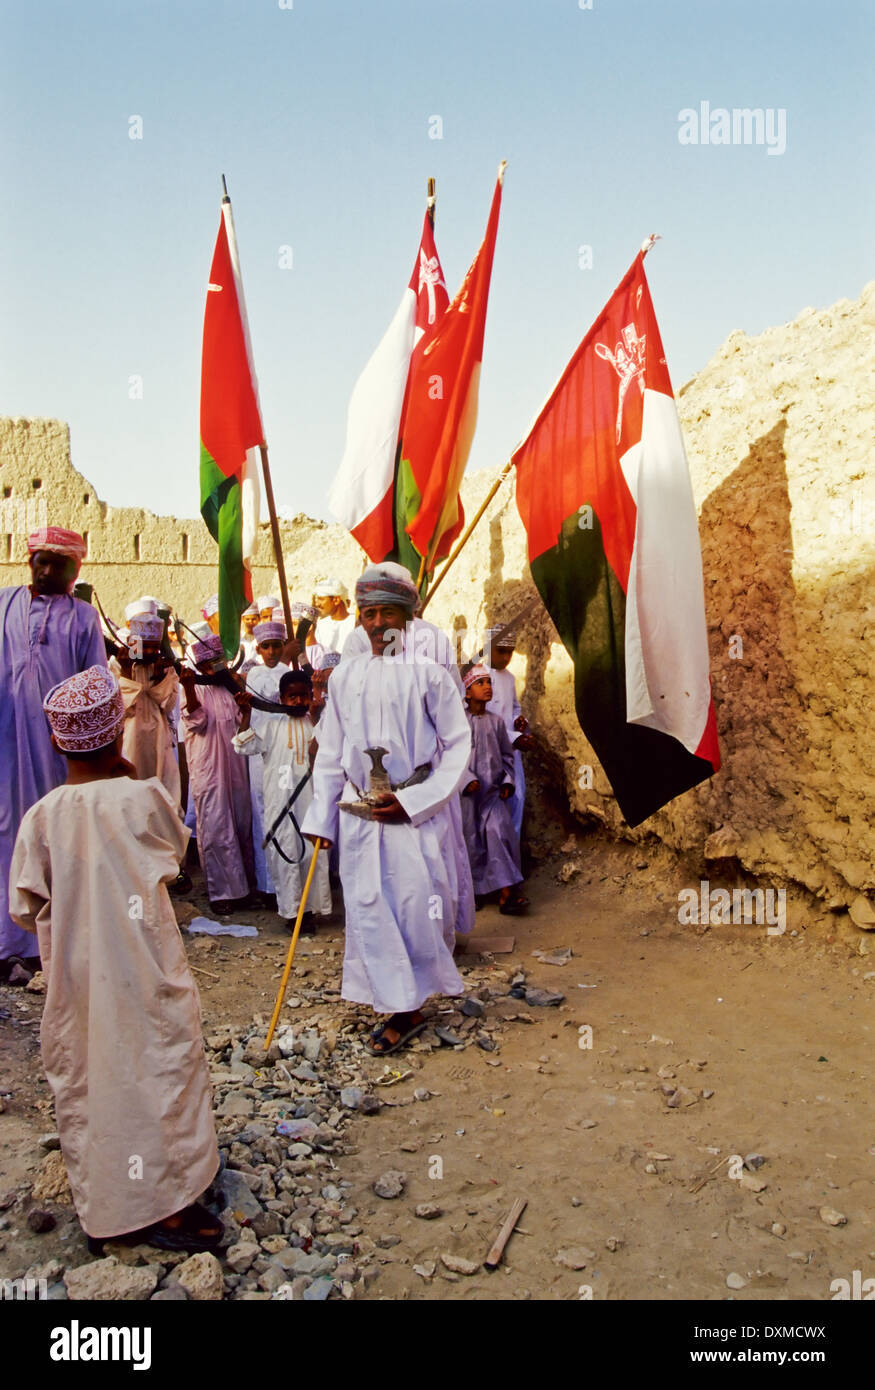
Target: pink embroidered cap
86, 711
476, 673
143, 627
210, 649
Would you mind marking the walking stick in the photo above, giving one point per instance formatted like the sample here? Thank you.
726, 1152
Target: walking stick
284, 982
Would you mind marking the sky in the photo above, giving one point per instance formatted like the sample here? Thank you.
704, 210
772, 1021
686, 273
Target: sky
321, 115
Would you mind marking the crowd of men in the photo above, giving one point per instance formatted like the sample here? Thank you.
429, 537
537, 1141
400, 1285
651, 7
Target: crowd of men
354, 738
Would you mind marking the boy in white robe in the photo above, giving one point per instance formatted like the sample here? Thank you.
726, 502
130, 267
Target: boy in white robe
263, 678
403, 893
282, 743
150, 690
121, 1029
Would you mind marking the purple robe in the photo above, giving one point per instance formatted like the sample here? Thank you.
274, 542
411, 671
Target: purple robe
219, 784
43, 640
493, 845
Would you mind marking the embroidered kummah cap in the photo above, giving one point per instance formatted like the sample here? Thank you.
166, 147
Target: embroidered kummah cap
202, 631
141, 607
269, 632
142, 627
210, 649
86, 711
304, 610
386, 583
329, 661
503, 638
331, 588
267, 601
476, 673
211, 606
250, 612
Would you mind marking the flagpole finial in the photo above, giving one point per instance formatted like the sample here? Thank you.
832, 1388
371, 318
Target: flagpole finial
649, 241
225, 198
501, 168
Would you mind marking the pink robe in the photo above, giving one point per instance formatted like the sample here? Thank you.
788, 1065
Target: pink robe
121, 1030
220, 788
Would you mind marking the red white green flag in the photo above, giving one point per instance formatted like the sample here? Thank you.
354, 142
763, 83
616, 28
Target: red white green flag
369, 494
603, 490
231, 432
441, 411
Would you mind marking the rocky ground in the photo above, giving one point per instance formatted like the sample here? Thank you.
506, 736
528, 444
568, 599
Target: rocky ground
686, 1111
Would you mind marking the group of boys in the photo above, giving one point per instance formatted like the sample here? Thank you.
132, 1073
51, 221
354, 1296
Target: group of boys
100, 840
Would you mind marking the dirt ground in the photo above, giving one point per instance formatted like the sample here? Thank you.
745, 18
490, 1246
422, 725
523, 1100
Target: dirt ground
769, 1038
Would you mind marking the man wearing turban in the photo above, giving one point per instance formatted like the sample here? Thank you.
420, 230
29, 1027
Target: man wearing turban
46, 635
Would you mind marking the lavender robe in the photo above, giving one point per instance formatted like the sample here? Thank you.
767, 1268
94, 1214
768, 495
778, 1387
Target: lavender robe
493, 844
220, 787
505, 704
42, 642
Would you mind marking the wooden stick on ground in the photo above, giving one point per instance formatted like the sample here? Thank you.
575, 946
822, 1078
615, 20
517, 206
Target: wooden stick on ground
709, 1175
493, 1259
291, 955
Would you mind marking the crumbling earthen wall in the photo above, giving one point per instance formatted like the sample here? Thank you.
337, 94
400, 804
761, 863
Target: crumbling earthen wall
130, 551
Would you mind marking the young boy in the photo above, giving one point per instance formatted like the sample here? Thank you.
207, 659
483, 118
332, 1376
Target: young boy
218, 780
150, 690
493, 845
121, 1028
505, 704
282, 744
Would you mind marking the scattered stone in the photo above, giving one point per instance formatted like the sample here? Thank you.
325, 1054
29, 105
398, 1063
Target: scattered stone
390, 1184
351, 1097
752, 1184
266, 1223
589, 1124
318, 1291
569, 869
18, 976
173, 1293
862, 913
236, 1104
107, 1280
201, 1277
448, 1037
736, 1281
613, 1243
238, 1195
36, 984
544, 998
561, 955
833, 1217
456, 1264
50, 1141
574, 1257
800, 1256
753, 1161
297, 1129
369, 1105
51, 1184
426, 1269
40, 1220
778, 1228
239, 1257
473, 1008
707, 1094
422, 1093
576, 1202
428, 1211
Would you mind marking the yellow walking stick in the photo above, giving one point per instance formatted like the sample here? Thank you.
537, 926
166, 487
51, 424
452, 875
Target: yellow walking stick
284, 982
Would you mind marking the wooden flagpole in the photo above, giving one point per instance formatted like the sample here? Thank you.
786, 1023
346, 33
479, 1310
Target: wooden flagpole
470, 527
284, 982
268, 485
277, 544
